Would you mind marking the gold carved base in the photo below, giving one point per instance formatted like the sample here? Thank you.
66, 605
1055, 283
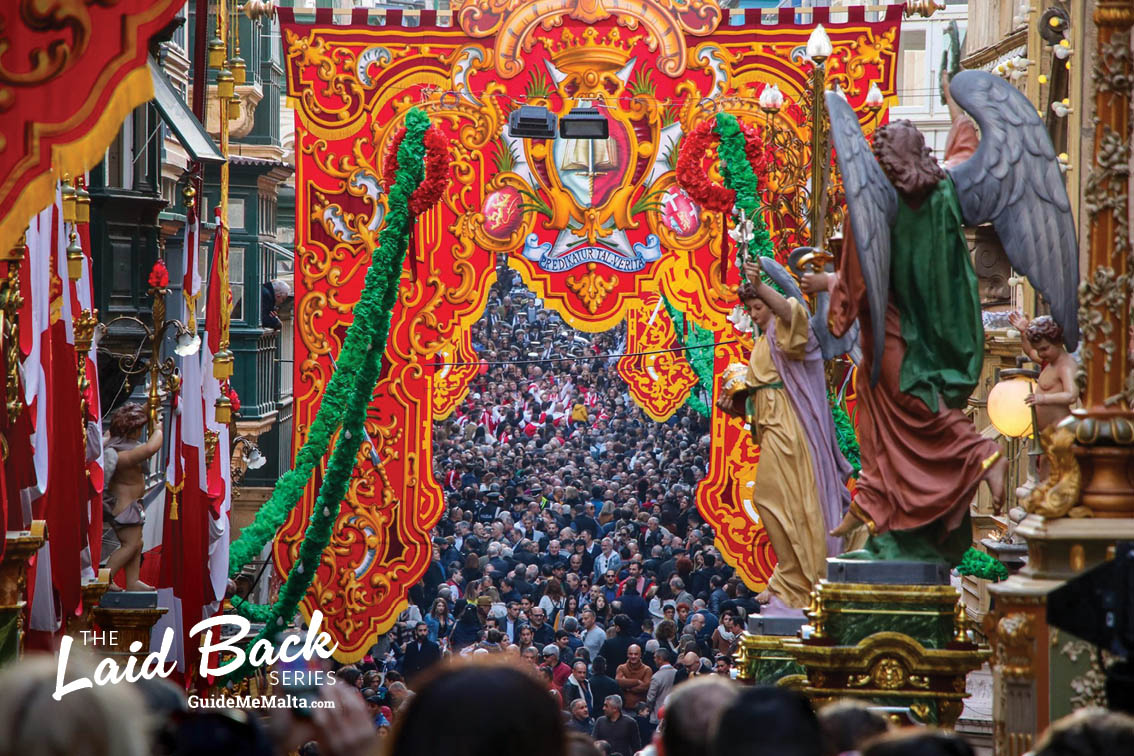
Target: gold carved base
19, 546
891, 669
129, 625
903, 646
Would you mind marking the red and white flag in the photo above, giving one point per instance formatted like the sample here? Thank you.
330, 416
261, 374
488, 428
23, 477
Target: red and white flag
56, 493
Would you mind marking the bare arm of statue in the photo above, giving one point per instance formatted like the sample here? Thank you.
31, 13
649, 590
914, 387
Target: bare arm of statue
1019, 321
141, 452
776, 302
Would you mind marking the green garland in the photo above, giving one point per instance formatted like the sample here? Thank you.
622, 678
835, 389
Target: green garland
844, 430
344, 405
981, 565
701, 360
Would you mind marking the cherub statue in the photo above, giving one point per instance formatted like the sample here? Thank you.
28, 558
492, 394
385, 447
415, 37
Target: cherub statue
125, 456
800, 490
1042, 340
906, 274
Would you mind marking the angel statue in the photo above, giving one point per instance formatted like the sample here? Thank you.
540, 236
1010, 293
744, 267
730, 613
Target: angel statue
906, 274
800, 491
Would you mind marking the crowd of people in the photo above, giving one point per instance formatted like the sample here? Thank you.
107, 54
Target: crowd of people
493, 706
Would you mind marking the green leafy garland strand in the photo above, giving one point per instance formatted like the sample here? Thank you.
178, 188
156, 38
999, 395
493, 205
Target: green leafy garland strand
701, 360
981, 565
353, 382
844, 430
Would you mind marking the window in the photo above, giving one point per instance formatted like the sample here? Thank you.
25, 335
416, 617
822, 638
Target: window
236, 213
913, 71
236, 280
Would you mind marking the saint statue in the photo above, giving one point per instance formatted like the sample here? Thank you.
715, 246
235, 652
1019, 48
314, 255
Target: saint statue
800, 490
906, 275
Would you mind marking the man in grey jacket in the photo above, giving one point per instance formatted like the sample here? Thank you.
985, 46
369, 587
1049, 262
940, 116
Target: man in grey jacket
661, 683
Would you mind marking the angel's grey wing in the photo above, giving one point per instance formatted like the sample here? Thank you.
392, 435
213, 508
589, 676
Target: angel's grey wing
779, 276
1013, 181
872, 203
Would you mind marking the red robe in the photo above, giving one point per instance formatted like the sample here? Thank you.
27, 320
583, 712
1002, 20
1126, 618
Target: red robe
918, 466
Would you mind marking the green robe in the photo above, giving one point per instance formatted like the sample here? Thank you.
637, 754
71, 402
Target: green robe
934, 287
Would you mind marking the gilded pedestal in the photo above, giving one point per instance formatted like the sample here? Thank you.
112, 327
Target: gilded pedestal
19, 547
899, 646
126, 626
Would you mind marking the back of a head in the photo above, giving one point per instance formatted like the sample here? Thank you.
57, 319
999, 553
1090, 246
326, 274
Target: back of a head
579, 744
847, 724
918, 742
103, 720
784, 718
488, 709
692, 712
1087, 732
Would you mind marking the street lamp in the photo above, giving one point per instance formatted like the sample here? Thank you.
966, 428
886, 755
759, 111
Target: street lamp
819, 48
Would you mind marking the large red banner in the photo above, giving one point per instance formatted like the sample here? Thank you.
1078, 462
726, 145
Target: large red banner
598, 229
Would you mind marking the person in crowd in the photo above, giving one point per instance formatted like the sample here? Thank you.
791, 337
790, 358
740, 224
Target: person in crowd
420, 653
581, 719
848, 724
579, 687
661, 683
784, 718
615, 648
919, 741
459, 713
1088, 731
102, 719
692, 713
633, 678
559, 671
617, 729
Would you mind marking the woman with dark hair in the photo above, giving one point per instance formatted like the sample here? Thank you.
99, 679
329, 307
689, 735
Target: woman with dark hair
471, 570
553, 601
439, 620
458, 713
602, 609
571, 608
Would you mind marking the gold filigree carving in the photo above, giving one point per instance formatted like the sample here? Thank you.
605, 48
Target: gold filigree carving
592, 288
888, 673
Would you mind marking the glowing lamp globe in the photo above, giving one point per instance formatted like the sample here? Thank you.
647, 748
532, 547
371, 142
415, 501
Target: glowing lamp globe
1006, 407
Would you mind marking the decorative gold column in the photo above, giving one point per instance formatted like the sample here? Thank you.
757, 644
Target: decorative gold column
226, 95
1104, 428
19, 547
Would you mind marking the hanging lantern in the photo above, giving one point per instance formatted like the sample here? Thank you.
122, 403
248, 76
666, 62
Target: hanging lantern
70, 205
74, 258
239, 70
82, 204
216, 52
226, 87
